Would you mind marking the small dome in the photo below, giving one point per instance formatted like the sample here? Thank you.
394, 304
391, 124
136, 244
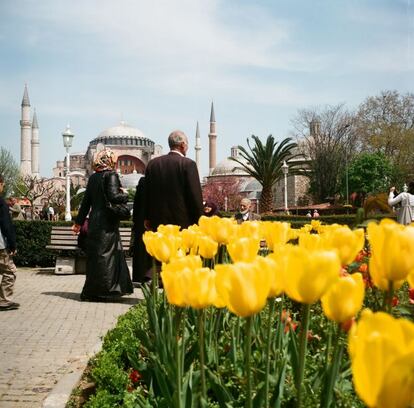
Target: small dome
122, 130
252, 185
228, 167
130, 180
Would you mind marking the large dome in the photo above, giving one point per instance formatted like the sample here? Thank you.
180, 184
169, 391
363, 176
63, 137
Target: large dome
123, 135
122, 130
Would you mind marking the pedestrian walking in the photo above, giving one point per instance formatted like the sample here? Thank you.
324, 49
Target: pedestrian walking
7, 251
107, 274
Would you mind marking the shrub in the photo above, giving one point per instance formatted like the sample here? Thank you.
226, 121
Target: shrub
32, 238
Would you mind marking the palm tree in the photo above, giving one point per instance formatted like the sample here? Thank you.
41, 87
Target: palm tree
264, 163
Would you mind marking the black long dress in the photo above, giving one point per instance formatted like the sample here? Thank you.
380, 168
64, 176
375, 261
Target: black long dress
141, 260
107, 272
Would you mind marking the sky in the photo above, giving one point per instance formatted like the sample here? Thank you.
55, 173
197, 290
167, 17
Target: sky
158, 65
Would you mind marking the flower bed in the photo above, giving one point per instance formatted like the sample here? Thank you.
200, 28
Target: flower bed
233, 329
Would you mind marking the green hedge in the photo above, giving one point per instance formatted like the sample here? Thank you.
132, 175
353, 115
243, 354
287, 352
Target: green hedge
32, 238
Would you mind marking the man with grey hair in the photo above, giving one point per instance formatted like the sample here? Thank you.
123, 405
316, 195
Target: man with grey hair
172, 187
245, 213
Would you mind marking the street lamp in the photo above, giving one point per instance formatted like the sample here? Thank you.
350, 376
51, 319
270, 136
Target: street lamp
67, 142
285, 170
342, 131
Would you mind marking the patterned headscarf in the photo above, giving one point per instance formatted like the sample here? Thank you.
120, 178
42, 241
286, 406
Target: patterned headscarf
104, 160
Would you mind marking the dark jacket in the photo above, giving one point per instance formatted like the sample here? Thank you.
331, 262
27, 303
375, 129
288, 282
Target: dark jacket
141, 260
6, 226
172, 191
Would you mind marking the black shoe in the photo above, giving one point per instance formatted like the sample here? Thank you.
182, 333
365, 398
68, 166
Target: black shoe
10, 306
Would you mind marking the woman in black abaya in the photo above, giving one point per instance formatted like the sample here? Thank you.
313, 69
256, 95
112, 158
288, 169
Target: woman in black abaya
107, 274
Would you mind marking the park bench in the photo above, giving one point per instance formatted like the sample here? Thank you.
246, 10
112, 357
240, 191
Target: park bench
71, 259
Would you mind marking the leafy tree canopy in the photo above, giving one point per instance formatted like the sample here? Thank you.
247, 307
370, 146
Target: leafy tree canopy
9, 169
385, 123
370, 173
264, 161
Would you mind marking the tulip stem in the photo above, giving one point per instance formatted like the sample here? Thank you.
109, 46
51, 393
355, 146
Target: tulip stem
202, 357
268, 344
333, 370
388, 295
248, 366
178, 361
303, 343
154, 282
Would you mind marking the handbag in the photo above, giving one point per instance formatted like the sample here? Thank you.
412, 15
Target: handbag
83, 235
118, 210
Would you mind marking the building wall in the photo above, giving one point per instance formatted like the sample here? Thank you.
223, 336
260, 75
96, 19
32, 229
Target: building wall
297, 187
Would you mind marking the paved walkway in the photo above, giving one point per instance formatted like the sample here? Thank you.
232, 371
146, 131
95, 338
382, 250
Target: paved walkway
51, 335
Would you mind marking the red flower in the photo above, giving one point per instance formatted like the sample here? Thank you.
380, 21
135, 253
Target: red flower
290, 326
394, 301
134, 376
411, 295
360, 257
346, 326
312, 336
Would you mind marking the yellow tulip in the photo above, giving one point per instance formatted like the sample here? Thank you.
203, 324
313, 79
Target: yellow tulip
191, 262
310, 241
343, 300
392, 248
199, 287
316, 225
275, 233
207, 247
249, 229
410, 279
275, 265
243, 249
222, 230
160, 246
347, 242
189, 238
382, 356
309, 274
173, 280
244, 287
169, 229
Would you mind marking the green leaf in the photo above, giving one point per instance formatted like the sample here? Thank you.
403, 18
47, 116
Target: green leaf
219, 390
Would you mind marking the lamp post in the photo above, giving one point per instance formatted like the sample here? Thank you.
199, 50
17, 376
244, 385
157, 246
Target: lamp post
67, 142
285, 170
225, 203
346, 178
341, 132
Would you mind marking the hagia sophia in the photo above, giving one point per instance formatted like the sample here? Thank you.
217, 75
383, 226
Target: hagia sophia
134, 150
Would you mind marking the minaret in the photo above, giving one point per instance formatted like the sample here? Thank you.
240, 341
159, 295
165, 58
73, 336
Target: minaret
25, 135
35, 146
197, 148
212, 136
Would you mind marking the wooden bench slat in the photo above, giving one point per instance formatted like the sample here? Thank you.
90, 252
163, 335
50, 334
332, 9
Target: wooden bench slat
63, 248
63, 239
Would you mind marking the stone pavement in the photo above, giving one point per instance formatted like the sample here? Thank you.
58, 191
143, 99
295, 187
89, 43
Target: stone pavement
52, 334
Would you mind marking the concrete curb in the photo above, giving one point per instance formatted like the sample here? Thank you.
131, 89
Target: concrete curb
61, 392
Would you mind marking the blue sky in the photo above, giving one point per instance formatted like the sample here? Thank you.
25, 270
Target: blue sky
159, 64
